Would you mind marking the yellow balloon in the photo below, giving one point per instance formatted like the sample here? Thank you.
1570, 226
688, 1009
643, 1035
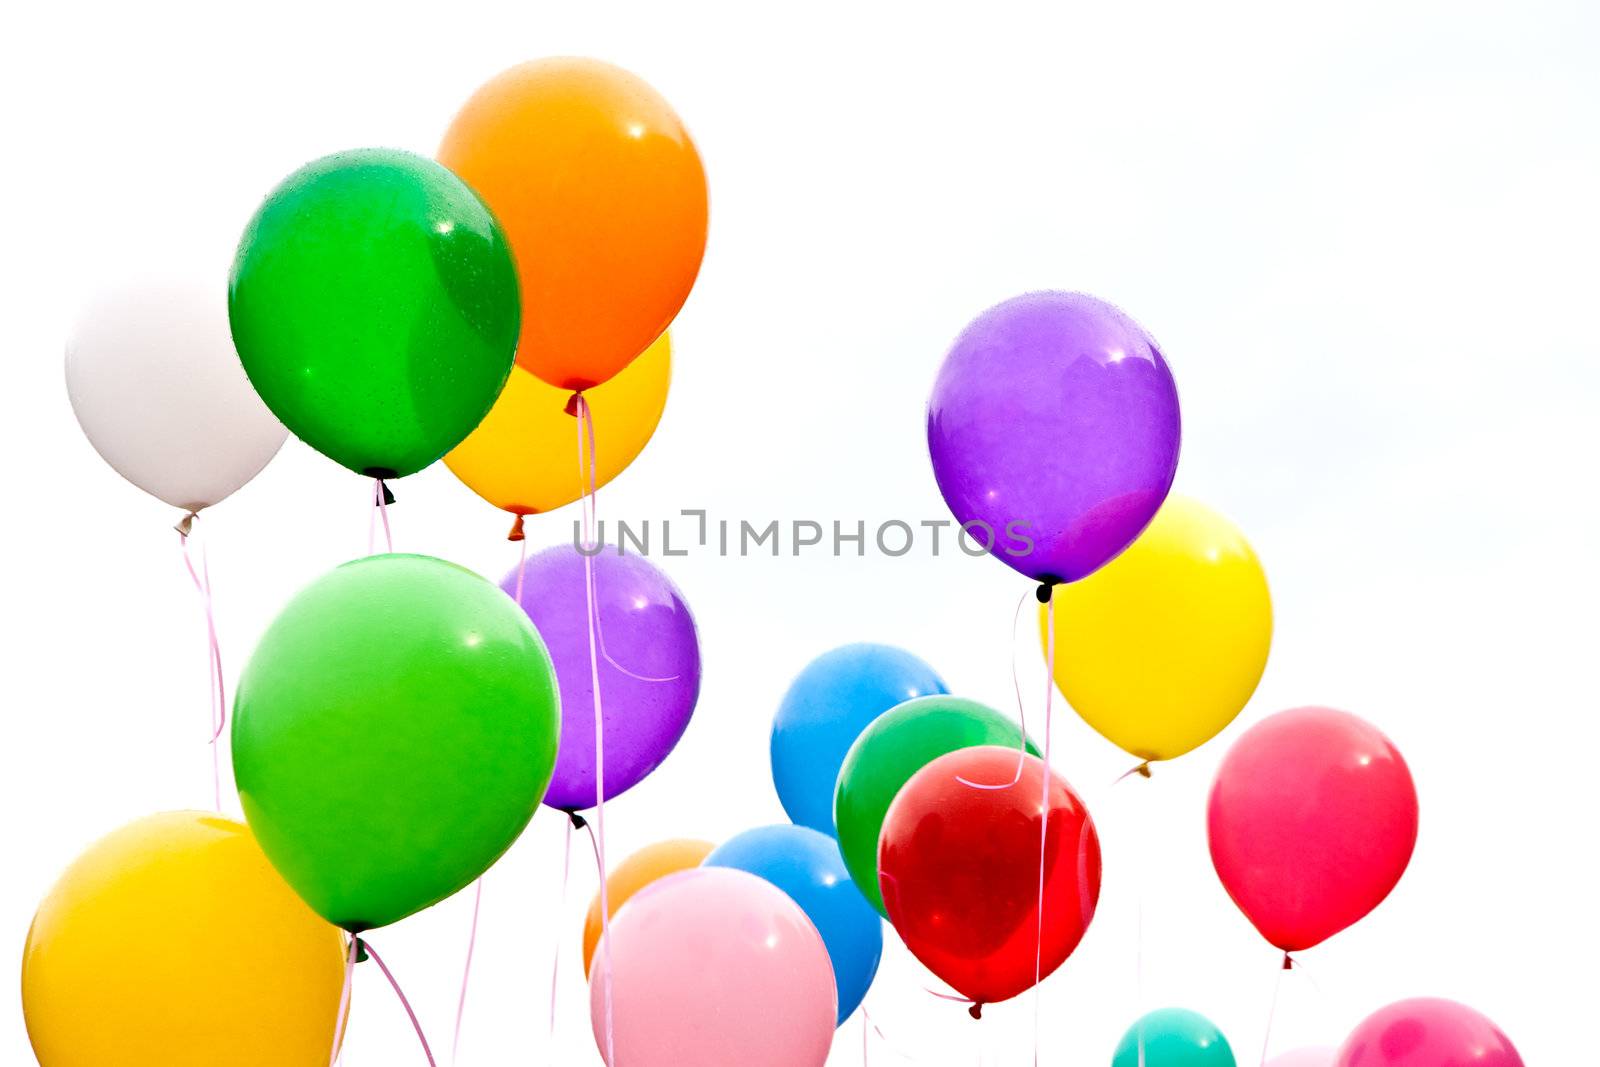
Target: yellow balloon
1162, 647
523, 457
173, 943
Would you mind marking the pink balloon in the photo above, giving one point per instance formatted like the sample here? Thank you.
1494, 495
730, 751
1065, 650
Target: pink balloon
1312, 820
713, 966
1427, 1032
1305, 1057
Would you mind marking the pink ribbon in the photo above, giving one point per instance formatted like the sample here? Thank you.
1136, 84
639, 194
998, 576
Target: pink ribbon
380, 509
466, 969
1022, 710
555, 966
215, 684
586, 469
1272, 1009
344, 1001
1044, 801
404, 1003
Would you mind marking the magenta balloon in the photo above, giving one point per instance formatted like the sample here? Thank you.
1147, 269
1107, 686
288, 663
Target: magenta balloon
1054, 420
714, 966
1427, 1032
649, 666
1312, 819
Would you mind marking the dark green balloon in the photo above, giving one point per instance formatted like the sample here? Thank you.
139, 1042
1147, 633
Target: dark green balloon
374, 305
1174, 1037
897, 745
393, 733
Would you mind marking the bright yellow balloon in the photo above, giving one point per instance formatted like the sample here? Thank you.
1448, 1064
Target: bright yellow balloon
1162, 647
173, 943
634, 873
523, 457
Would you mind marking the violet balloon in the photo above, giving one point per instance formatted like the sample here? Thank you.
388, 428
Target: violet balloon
1427, 1032
649, 663
1054, 430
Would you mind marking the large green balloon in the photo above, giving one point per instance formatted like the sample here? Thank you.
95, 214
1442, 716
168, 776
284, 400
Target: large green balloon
393, 733
897, 745
374, 305
1174, 1037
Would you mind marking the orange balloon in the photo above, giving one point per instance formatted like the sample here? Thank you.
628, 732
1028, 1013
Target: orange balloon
603, 197
637, 871
523, 457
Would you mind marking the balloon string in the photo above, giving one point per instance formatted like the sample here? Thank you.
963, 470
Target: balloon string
1044, 803
466, 970
216, 691
344, 1001
1138, 929
1022, 710
1272, 1009
381, 500
974, 1007
586, 470
555, 966
404, 1003
477, 893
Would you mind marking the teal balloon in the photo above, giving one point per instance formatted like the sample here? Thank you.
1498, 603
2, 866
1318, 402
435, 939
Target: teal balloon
1174, 1037
393, 732
374, 303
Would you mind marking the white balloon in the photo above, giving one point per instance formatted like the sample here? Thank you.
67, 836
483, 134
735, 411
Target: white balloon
160, 393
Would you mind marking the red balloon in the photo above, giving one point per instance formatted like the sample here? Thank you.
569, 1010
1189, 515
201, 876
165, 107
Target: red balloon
1427, 1032
959, 869
1312, 820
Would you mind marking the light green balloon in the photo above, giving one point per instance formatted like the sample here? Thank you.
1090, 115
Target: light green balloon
1174, 1037
895, 746
393, 733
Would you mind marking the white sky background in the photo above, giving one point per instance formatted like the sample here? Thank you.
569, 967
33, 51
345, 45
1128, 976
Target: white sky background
1365, 234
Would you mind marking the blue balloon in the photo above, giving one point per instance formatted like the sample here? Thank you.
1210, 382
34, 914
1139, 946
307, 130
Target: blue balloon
807, 865
835, 698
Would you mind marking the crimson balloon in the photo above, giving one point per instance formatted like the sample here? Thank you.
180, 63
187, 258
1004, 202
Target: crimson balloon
958, 864
1312, 820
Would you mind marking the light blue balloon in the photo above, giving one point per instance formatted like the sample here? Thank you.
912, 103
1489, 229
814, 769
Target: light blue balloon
806, 865
835, 698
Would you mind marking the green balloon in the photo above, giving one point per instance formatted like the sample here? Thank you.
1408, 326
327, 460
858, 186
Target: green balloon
897, 745
393, 733
1174, 1037
374, 306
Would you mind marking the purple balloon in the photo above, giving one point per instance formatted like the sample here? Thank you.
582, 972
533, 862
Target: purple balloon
649, 657
1427, 1032
1054, 430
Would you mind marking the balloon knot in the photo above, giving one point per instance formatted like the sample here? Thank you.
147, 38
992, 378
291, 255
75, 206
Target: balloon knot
572, 403
976, 1011
1046, 589
578, 821
516, 529
1143, 770
361, 951
186, 524
1288, 962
